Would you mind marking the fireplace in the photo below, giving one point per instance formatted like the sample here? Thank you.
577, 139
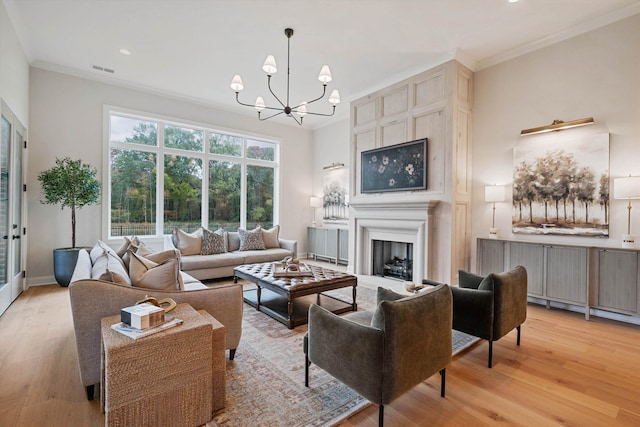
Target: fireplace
393, 259
407, 224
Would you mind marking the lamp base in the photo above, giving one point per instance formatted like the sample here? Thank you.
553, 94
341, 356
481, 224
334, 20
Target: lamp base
628, 241
493, 233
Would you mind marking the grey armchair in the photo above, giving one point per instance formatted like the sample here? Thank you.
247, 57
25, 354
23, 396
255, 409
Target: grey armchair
385, 353
490, 307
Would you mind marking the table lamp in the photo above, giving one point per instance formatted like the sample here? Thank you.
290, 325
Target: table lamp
493, 194
314, 202
627, 188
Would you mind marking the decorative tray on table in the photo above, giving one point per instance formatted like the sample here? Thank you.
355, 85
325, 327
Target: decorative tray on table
281, 269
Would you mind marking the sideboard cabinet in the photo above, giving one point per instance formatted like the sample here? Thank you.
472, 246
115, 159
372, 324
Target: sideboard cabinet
331, 244
586, 276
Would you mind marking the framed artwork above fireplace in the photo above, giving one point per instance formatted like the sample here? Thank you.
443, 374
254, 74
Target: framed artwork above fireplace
400, 167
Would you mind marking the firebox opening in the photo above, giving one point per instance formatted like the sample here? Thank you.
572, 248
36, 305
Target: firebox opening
393, 260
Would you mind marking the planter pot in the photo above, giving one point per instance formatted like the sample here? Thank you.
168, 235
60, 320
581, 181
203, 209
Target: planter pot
64, 262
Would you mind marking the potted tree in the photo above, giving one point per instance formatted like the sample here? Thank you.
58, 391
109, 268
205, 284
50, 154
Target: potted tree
73, 184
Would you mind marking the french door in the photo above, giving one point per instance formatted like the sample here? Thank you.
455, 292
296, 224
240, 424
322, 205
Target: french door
12, 199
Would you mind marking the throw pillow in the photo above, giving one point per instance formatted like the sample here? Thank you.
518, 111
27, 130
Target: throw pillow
137, 246
188, 243
214, 242
152, 275
127, 242
108, 267
99, 248
251, 240
270, 237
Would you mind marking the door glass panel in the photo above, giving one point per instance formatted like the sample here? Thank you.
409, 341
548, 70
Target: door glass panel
5, 232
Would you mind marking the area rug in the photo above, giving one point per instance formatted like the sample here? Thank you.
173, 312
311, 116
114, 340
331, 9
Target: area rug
265, 381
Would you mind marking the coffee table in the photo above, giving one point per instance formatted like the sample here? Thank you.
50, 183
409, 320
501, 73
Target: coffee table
287, 299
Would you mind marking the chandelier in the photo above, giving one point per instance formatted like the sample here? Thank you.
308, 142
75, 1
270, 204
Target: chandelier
296, 112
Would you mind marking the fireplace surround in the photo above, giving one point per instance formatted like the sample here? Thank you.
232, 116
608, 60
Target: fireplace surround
401, 221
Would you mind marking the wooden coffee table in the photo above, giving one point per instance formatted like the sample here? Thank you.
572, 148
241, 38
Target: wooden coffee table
287, 299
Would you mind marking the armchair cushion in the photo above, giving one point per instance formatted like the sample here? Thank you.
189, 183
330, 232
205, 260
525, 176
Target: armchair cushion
469, 280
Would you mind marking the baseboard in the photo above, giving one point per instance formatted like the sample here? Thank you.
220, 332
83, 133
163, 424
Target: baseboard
627, 318
41, 281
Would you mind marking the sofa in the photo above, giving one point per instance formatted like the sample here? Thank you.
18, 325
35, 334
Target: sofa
97, 294
235, 248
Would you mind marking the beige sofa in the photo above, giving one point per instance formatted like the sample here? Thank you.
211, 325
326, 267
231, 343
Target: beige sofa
205, 267
93, 299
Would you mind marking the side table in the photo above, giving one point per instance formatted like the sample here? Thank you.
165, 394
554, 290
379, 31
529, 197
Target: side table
166, 378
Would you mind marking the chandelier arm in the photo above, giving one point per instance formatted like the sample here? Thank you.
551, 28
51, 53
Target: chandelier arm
242, 103
323, 114
297, 121
270, 90
324, 92
267, 118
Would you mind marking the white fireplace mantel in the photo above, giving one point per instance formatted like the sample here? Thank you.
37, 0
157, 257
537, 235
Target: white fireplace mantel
401, 221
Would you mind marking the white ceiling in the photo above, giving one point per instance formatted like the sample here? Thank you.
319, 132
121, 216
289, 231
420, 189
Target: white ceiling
192, 48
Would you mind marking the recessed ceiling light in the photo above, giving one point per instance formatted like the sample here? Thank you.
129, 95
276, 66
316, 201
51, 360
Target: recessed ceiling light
128, 52
513, 1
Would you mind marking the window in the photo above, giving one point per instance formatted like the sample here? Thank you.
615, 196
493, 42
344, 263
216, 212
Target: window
166, 174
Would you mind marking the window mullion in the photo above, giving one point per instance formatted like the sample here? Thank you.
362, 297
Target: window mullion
160, 182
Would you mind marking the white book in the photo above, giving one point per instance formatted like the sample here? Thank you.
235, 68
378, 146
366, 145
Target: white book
135, 333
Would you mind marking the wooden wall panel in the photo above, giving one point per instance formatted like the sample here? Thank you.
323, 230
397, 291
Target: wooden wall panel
395, 102
364, 113
394, 133
463, 168
432, 125
429, 90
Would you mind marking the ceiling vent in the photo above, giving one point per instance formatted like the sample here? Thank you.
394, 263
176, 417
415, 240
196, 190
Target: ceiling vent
106, 70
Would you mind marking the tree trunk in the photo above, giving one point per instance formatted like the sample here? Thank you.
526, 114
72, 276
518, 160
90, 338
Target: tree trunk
73, 227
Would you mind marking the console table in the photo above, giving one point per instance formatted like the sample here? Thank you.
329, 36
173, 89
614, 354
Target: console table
593, 277
174, 377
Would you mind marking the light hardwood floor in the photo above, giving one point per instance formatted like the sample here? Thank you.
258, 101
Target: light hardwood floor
567, 372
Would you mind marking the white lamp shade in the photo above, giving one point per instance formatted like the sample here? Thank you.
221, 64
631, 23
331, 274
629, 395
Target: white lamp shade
302, 109
259, 103
315, 202
269, 65
494, 193
626, 188
236, 83
334, 98
325, 75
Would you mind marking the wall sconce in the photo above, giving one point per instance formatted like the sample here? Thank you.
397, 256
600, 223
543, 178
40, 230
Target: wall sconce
493, 194
314, 202
334, 166
627, 188
557, 125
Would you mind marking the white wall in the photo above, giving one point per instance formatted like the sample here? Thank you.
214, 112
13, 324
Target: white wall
14, 70
594, 75
66, 116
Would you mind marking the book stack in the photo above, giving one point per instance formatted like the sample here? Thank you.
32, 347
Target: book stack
144, 319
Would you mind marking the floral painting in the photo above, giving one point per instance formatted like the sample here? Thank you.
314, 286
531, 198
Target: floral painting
335, 197
561, 186
398, 167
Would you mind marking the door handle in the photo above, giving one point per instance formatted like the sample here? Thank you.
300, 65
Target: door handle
15, 237
5, 237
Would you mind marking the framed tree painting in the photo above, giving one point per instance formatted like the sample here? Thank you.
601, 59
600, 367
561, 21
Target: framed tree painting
561, 186
335, 198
